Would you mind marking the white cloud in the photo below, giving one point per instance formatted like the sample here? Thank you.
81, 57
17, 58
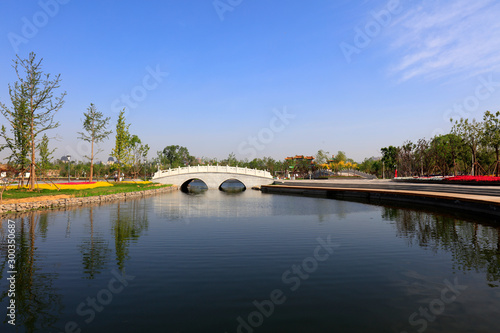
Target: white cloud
441, 38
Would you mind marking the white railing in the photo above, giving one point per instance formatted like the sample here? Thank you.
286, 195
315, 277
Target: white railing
212, 169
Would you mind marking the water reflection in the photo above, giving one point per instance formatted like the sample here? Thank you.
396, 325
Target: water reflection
250, 203
474, 246
128, 223
241, 243
38, 303
194, 186
232, 186
95, 250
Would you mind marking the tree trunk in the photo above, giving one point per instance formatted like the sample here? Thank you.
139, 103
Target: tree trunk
32, 169
32, 120
91, 160
496, 166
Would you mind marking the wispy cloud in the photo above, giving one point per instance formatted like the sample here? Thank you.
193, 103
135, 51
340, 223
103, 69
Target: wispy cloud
441, 38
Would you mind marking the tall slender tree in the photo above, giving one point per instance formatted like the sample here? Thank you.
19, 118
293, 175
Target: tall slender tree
17, 137
138, 154
95, 126
121, 151
470, 132
33, 95
45, 153
492, 135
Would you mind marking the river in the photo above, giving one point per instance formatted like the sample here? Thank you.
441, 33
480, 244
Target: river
248, 262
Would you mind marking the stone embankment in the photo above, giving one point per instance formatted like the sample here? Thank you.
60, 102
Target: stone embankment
70, 202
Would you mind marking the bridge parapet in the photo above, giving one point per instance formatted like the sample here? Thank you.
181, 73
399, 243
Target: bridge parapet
212, 169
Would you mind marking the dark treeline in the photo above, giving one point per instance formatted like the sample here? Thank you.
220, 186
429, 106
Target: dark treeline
471, 148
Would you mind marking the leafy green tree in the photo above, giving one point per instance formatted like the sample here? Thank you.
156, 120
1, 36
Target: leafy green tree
269, 164
322, 157
177, 156
441, 154
45, 153
95, 127
492, 135
100, 169
371, 166
139, 153
389, 158
161, 160
122, 143
341, 156
36, 93
231, 160
471, 133
17, 139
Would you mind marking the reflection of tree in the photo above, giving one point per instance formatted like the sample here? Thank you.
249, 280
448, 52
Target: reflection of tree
37, 303
128, 226
94, 250
473, 246
43, 224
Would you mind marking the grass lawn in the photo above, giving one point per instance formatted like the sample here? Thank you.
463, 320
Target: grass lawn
115, 188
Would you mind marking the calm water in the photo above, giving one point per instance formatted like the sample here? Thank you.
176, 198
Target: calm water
250, 262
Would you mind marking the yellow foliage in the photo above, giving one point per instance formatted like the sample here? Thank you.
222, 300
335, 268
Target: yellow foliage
74, 186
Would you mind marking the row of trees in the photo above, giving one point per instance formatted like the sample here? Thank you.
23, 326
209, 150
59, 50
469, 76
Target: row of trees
34, 103
472, 147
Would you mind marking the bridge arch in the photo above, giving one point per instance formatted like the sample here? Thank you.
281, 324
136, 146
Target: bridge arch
230, 188
214, 176
184, 187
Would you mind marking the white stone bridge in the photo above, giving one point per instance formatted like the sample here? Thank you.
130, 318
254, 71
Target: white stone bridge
213, 176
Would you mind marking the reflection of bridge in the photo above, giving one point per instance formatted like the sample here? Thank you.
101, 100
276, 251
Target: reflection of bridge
213, 176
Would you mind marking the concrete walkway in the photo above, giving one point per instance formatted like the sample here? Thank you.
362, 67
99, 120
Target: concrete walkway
485, 199
387, 184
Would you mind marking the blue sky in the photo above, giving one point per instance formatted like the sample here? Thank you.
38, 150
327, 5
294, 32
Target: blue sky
261, 78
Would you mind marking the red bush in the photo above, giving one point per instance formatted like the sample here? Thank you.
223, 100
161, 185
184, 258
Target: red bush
474, 178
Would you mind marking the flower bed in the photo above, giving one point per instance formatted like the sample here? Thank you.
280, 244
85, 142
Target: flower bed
457, 180
70, 186
474, 178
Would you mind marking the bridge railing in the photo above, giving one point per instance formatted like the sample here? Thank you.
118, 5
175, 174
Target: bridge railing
212, 169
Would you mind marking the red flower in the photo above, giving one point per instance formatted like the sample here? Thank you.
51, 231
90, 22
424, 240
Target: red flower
474, 178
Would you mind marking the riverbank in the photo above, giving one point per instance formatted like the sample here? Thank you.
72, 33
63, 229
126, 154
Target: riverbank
67, 201
469, 198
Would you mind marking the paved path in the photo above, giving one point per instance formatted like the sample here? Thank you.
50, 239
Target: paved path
472, 198
380, 184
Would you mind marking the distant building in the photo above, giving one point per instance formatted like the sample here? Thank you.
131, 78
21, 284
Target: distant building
300, 158
111, 161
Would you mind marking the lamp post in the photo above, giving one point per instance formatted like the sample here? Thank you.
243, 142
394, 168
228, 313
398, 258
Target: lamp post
69, 166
